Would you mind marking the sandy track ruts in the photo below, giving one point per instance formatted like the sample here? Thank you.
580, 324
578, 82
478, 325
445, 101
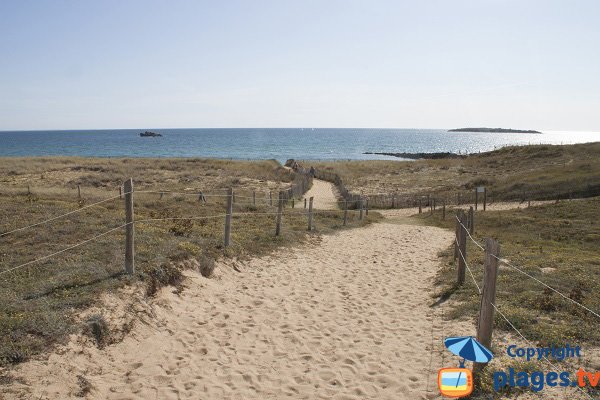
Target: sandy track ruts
346, 318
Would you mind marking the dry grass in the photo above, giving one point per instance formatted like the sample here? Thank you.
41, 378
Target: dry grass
556, 243
525, 172
38, 302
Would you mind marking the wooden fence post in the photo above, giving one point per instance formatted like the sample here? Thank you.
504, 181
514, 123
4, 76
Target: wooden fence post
270, 198
471, 225
444, 210
476, 198
434, 204
228, 214
367, 207
462, 248
79, 191
345, 212
293, 203
305, 203
485, 325
279, 212
120, 192
420, 207
360, 205
129, 228
456, 234
254, 197
484, 198
310, 214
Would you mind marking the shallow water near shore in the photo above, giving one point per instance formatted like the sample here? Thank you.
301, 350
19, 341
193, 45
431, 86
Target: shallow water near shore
272, 143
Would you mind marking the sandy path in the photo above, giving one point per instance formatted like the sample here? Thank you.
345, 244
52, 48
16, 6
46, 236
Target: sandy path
325, 195
346, 318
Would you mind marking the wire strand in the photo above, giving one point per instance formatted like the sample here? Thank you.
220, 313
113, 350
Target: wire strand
63, 250
469, 233
467, 265
58, 217
544, 284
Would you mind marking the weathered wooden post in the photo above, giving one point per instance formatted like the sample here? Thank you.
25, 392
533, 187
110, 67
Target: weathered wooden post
420, 207
305, 203
28, 189
462, 248
254, 197
471, 225
228, 214
310, 214
360, 209
129, 228
120, 192
345, 212
79, 191
456, 234
444, 210
484, 198
485, 325
161, 195
270, 198
434, 204
367, 207
476, 197
279, 212
293, 203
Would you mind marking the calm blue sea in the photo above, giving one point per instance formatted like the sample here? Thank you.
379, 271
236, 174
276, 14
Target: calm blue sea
280, 144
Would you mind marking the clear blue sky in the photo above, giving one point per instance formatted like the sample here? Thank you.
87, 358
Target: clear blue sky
406, 64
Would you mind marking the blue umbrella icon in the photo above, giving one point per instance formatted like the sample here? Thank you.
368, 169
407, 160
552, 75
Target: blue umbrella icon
469, 349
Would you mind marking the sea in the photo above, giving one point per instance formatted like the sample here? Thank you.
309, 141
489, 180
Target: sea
271, 143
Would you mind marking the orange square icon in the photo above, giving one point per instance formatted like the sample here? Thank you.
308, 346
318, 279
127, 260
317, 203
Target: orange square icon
455, 382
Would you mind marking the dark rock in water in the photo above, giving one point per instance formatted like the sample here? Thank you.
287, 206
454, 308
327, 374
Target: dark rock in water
150, 134
416, 156
492, 130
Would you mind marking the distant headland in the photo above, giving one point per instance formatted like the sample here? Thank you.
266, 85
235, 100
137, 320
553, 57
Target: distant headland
492, 130
417, 156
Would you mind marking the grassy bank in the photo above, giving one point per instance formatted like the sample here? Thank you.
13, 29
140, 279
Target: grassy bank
38, 301
555, 243
512, 173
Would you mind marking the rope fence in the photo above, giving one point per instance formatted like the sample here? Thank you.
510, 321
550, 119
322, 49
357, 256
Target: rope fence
127, 193
487, 291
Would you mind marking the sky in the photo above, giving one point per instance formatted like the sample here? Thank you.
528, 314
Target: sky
530, 64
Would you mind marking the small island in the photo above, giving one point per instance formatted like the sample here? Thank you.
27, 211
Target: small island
492, 130
150, 134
